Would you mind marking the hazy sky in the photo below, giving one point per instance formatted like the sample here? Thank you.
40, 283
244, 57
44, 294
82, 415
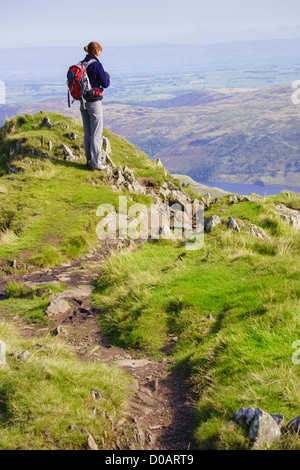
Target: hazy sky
126, 22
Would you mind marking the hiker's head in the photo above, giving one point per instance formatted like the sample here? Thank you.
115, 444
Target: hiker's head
93, 48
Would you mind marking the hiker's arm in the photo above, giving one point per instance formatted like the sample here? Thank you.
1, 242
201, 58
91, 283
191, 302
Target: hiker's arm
103, 78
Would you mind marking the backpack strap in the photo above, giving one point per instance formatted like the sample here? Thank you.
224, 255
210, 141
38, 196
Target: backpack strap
86, 64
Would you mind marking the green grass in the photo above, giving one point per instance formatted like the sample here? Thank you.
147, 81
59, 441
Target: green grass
28, 302
48, 212
251, 288
48, 392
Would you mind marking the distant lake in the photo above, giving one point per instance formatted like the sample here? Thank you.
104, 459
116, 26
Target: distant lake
245, 189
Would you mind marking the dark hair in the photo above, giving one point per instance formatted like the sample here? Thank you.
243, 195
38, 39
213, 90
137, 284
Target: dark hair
93, 48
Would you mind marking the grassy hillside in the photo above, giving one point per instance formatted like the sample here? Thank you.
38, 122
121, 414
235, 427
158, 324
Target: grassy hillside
159, 298
225, 316
48, 205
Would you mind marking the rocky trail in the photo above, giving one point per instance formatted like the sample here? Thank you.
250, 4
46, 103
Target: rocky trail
159, 412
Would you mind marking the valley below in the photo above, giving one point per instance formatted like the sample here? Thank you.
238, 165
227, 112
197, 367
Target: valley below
247, 136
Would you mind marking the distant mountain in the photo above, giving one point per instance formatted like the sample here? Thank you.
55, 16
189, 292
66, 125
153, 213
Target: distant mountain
237, 136
49, 63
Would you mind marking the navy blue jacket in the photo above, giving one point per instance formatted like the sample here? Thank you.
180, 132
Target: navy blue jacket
96, 74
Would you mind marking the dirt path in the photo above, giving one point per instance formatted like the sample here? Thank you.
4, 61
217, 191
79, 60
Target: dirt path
160, 413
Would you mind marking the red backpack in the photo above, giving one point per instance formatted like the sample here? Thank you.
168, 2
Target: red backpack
78, 82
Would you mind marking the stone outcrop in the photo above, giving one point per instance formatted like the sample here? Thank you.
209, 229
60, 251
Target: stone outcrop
258, 232
294, 425
78, 293
124, 176
106, 145
57, 306
289, 216
263, 427
211, 222
68, 154
232, 224
46, 123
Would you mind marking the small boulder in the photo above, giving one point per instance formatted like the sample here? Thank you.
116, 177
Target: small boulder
57, 306
68, 154
232, 199
106, 145
233, 225
294, 425
77, 293
23, 355
264, 429
166, 233
244, 416
211, 222
258, 232
279, 418
46, 123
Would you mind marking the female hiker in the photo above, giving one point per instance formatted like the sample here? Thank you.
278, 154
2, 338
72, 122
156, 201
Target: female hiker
91, 108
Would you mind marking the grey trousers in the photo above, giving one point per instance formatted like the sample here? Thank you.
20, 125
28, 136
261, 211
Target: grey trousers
92, 117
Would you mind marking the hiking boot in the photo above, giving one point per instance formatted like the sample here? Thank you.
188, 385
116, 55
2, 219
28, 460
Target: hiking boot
100, 167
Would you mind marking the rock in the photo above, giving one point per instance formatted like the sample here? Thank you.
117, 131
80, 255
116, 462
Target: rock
289, 216
73, 136
164, 193
59, 331
172, 186
258, 232
294, 425
68, 154
2, 353
232, 199
211, 222
92, 351
244, 416
279, 418
210, 317
133, 363
232, 224
139, 436
50, 145
96, 395
166, 233
264, 429
90, 441
179, 197
57, 306
159, 163
118, 176
46, 123
106, 159
23, 355
42, 141
78, 293
106, 145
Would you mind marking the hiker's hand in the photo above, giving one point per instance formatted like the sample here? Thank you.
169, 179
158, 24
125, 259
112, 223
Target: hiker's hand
107, 74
